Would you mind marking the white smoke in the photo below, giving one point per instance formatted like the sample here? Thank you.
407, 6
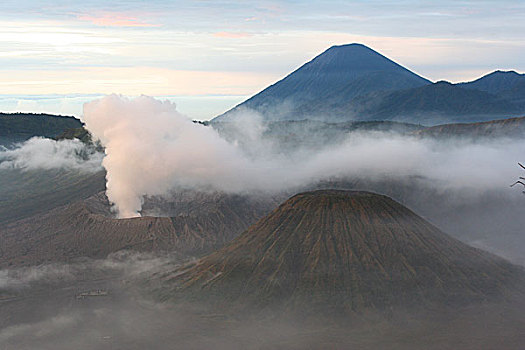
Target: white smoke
43, 153
152, 149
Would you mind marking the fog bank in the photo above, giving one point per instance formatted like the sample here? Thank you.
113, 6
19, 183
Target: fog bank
43, 312
44, 153
151, 149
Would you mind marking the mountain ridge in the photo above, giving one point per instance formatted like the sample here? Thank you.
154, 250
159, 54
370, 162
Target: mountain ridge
343, 69
495, 82
355, 83
18, 127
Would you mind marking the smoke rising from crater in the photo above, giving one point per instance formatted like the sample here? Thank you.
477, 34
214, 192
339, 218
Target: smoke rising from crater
151, 149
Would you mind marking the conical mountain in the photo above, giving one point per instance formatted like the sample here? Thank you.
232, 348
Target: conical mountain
344, 251
340, 74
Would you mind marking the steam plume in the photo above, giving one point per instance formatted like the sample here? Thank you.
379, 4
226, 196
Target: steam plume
151, 149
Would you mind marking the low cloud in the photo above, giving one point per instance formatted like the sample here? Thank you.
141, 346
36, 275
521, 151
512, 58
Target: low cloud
128, 264
116, 20
43, 153
24, 277
51, 317
151, 149
38, 330
232, 35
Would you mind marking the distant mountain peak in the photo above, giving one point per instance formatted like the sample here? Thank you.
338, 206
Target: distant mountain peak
355, 58
505, 72
349, 47
352, 82
340, 73
443, 82
497, 82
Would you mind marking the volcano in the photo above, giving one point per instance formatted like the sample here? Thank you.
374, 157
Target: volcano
340, 73
344, 251
355, 83
196, 224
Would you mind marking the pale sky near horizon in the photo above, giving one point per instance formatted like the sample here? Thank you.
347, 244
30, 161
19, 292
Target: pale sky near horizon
210, 55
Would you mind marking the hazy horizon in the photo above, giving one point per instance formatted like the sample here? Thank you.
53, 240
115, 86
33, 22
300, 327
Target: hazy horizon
207, 57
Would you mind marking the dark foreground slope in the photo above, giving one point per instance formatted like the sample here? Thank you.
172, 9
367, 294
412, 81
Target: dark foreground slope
341, 252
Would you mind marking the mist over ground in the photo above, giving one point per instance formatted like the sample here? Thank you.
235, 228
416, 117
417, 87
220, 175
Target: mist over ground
45, 311
151, 149
43, 153
460, 184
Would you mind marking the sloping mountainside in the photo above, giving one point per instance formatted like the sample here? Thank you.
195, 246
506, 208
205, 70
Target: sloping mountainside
506, 84
441, 102
26, 193
17, 127
432, 104
75, 133
87, 229
289, 135
83, 135
515, 94
354, 83
338, 74
511, 127
339, 251
292, 135
496, 82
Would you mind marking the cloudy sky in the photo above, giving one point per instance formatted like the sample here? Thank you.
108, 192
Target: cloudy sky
209, 55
